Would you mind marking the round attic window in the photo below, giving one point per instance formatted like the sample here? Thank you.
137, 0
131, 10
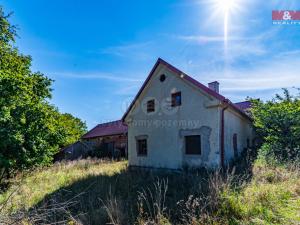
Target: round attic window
162, 78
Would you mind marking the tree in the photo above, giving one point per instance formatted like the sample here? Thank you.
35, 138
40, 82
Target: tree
74, 128
31, 130
277, 122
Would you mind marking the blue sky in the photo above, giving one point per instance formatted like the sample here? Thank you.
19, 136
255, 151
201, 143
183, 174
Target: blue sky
100, 52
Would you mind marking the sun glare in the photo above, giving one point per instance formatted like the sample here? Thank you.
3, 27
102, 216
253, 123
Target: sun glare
226, 5
225, 8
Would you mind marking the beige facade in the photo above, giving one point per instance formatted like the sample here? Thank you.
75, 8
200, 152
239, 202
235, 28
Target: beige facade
166, 128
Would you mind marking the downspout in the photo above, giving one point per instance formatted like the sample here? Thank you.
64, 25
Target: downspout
222, 141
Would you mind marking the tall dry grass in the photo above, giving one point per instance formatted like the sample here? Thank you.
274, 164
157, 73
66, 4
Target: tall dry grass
100, 192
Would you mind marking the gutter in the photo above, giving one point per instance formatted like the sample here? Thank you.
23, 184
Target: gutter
222, 128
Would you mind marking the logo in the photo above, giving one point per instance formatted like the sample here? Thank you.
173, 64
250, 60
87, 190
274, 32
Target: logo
286, 17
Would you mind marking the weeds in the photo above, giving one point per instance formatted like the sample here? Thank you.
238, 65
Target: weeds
113, 210
101, 192
151, 204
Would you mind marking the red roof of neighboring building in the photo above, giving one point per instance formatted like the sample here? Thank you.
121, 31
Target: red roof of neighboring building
106, 129
189, 79
243, 105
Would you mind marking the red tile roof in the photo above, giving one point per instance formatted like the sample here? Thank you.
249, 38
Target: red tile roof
107, 129
243, 105
189, 79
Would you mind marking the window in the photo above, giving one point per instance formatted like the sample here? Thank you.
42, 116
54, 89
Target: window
162, 78
141, 147
234, 142
176, 99
193, 145
151, 106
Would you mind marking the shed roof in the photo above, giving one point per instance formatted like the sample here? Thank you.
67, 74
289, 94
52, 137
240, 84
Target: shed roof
107, 129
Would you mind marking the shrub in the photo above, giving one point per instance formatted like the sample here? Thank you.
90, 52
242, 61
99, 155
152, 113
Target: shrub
277, 123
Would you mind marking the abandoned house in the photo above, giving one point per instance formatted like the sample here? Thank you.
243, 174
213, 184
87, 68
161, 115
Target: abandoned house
175, 121
109, 137
104, 140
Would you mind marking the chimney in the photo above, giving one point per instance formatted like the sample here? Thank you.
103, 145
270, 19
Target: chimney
214, 86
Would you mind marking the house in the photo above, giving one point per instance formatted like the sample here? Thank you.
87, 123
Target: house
110, 137
175, 121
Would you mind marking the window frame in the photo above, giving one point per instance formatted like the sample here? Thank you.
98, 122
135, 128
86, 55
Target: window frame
150, 106
138, 150
187, 148
174, 102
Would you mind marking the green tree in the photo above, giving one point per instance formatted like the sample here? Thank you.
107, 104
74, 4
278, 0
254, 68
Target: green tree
73, 127
277, 123
31, 130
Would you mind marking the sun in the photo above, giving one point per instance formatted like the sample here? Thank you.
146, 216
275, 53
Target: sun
225, 9
226, 5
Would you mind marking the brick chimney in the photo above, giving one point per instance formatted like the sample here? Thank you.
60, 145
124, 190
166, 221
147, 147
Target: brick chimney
214, 86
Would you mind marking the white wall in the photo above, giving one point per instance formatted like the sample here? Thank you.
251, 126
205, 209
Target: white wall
235, 123
166, 139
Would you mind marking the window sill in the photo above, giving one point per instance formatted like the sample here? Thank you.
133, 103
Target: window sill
192, 155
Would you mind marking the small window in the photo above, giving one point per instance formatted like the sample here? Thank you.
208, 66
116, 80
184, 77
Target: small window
193, 145
234, 142
151, 106
162, 78
176, 99
141, 147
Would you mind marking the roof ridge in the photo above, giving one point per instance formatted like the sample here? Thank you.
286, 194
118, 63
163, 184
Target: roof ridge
110, 122
109, 128
189, 79
242, 101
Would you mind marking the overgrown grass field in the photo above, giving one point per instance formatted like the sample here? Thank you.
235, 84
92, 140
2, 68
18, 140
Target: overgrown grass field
100, 192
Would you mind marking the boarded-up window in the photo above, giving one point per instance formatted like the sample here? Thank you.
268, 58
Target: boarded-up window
235, 147
176, 99
141, 147
151, 106
193, 145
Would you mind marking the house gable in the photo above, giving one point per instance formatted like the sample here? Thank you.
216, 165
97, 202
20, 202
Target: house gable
216, 98
167, 127
161, 93
164, 129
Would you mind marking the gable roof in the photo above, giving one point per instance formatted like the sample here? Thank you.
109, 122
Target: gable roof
107, 129
189, 79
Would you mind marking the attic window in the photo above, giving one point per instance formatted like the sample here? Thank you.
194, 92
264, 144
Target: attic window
162, 78
151, 106
176, 99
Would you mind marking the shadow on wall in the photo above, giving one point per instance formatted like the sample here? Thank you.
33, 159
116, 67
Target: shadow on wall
85, 200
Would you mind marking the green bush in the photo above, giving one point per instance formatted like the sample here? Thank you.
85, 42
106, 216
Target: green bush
277, 124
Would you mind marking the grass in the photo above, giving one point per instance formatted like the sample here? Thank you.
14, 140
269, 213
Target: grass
29, 190
99, 192
272, 197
